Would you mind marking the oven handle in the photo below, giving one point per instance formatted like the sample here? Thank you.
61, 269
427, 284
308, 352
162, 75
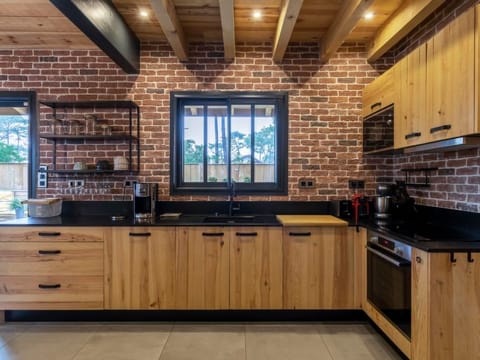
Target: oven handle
388, 258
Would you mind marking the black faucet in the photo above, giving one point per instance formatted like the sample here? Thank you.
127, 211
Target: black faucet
231, 197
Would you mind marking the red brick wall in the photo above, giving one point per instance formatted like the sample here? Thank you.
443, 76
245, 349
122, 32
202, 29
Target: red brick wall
325, 135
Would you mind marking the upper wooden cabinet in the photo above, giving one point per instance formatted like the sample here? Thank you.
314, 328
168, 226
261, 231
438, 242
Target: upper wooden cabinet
451, 80
318, 268
256, 268
141, 268
378, 94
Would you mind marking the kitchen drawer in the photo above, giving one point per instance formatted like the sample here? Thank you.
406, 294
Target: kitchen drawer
51, 292
50, 258
54, 233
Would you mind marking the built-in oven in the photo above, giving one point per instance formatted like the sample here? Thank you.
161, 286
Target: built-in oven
389, 279
378, 131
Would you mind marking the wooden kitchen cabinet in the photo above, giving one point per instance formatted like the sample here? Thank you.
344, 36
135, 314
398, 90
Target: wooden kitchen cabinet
318, 268
203, 273
410, 89
141, 268
378, 94
51, 268
256, 268
358, 235
445, 306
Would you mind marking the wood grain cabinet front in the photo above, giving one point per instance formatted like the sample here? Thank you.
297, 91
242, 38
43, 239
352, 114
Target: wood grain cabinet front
378, 94
318, 268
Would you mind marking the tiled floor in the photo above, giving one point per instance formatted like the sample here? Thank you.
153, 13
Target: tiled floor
189, 341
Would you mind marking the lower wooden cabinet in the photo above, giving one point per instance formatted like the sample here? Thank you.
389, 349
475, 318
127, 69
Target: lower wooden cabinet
256, 268
318, 268
141, 268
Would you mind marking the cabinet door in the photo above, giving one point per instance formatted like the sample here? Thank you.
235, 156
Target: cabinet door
359, 237
204, 270
318, 268
256, 268
450, 79
378, 94
141, 268
410, 106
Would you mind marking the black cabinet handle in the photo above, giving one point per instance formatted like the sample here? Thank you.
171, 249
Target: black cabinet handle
246, 233
300, 233
140, 234
412, 135
49, 286
212, 234
373, 106
49, 252
440, 128
470, 258
452, 258
49, 234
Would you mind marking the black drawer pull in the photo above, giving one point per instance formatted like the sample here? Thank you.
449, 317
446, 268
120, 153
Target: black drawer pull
49, 252
440, 128
140, 234
213, 234
300, 233
49, 234
49, 286
246, 233
375, 105
412, 135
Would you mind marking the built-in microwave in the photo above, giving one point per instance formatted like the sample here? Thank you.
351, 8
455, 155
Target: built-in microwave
378, 132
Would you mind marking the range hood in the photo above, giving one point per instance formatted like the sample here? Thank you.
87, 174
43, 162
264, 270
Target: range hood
459, 143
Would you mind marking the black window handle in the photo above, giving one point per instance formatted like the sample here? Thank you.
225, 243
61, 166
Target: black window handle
440, 128
373, 106
412, 135
49, 252
213, 234
49, 286
246, 233
140, 234
300, 233
49, 233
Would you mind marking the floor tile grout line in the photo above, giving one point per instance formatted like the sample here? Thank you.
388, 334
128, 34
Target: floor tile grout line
317, 329
166, 340
15, 336
86, 342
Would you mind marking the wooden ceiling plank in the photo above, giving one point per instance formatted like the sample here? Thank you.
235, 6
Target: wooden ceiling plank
286, 24
228, 28
406, 18
166, 15
345, 21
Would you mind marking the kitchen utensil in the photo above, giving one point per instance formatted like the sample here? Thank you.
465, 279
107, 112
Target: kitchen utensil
103, 165
42, 208
382, 204
79, 165
120, 163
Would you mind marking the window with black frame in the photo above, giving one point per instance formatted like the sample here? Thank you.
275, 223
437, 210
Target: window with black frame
218, 139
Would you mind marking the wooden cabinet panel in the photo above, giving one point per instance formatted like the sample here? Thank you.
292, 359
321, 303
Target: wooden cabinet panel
318, 268
52, 233
256, 268
51, 258
359, 237
378, 94
410, 105
141, 268
450, 79
204, 271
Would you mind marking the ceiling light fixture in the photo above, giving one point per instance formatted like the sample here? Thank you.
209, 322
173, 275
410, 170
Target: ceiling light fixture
143, 13
368, 15
257, 14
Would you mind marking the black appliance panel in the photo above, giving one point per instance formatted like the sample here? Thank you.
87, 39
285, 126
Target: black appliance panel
378, 131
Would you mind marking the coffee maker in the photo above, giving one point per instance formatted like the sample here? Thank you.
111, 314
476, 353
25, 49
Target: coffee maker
144, 200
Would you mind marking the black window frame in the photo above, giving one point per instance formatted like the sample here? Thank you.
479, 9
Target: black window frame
180, 98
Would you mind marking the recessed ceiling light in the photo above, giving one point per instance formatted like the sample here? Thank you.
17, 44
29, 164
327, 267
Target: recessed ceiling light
368, 15
257, 14
143, 13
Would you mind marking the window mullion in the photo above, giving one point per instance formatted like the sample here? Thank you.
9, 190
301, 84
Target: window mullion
229, 142
252, 145
205, 144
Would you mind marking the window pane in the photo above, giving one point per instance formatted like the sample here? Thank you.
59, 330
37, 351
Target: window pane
240, 143
265, 143
14, 144
217, 123
193, 143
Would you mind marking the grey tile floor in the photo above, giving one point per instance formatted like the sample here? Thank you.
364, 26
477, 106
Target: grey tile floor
187, 341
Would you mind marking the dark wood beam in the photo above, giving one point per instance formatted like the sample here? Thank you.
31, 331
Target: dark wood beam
103, 24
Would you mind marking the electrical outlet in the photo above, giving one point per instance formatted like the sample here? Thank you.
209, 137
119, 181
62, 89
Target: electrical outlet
79, 183
42, 179
71, 183
306, 183
127, 183
356, 184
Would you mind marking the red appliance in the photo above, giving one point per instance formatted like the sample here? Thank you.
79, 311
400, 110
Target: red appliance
360, 206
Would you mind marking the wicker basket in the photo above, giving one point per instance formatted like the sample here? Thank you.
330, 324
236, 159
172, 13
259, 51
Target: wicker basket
44, 208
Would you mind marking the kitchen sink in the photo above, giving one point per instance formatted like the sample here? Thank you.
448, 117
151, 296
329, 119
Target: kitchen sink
241, 219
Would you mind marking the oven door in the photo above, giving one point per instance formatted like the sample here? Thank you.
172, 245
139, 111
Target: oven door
389, 286
378, 132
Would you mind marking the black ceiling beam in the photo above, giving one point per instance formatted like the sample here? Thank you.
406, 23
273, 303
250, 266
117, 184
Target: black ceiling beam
103, 24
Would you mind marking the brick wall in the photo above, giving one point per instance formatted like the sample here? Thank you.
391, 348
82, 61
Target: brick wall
324, 123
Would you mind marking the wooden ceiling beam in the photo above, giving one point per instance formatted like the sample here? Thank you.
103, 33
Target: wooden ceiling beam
167, 17
345, 21
286, 24
403, 20
228, 28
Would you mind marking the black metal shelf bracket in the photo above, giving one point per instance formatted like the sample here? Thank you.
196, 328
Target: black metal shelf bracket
409, 171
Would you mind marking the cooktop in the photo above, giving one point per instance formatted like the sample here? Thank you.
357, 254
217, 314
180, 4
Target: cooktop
432, 232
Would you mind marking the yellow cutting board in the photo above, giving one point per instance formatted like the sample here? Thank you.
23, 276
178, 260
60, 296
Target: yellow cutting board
310, 220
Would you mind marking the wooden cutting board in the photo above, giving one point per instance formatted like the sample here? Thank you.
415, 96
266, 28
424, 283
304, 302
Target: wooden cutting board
310, 220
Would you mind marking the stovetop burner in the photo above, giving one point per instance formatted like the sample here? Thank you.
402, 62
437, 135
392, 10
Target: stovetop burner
431, 232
